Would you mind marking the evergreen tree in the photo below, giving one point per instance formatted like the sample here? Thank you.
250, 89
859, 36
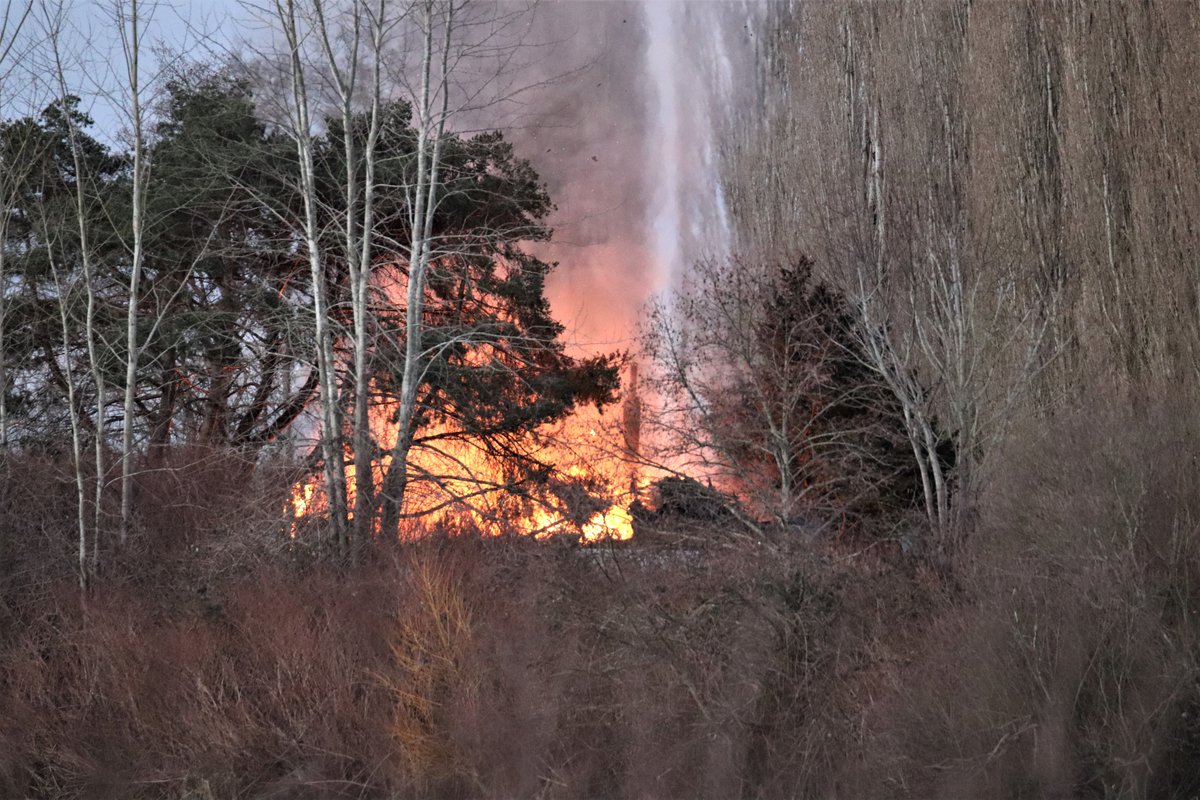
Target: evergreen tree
224, 316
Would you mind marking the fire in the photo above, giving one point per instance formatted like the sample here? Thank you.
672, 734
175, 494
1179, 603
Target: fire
615, 523
454, 480
303, 500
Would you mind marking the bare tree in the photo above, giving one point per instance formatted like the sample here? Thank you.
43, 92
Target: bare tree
765, 389
130, 25
64, 293
301, 129
432, 109
887, 169
373, 21
53, 21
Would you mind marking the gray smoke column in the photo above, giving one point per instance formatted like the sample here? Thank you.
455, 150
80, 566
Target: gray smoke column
697, 58
625, 131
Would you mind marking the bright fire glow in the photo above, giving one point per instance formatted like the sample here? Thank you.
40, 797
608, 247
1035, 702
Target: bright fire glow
453, 480
457, 483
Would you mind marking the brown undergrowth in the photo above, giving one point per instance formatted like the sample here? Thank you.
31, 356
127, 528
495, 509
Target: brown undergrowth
216, 658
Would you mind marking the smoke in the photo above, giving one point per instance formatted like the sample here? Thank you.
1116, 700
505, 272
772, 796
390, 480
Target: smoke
620, 106
624, 126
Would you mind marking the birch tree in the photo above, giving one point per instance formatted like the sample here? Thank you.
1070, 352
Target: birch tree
431, 112
58, 211
130, 24
435, 22
83, 204
371, 20
64, 291
301, 129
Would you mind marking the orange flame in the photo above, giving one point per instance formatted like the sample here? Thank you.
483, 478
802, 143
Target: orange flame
456, 481
471, 488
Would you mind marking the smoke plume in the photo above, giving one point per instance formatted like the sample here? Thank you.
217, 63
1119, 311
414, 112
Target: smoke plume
623, 120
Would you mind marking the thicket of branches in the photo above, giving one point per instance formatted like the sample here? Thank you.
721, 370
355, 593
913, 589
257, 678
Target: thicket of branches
1003, 194
763, 386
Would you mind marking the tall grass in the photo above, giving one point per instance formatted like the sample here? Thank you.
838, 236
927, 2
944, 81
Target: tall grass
215, 658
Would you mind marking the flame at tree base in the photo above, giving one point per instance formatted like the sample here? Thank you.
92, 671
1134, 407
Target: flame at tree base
587, 492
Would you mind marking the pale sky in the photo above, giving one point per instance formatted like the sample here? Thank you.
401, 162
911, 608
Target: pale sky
91, 49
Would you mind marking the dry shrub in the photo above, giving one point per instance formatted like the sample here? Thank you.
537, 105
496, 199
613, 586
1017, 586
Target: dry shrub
482, 664
730, 672
453, 666
38, 534
206, 659
217, 509
432, 676
125, 699
1075, 669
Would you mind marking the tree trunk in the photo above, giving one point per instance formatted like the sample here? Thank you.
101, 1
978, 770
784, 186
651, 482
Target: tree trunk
331, 418
132, 53
424, 205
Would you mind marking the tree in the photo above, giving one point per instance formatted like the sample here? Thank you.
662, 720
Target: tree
360, 187
130, 27
768, 391
876, 176
244, 232
438, 225
12, 23
52, 218
493, 367
222, 273
1005, 192
422, 204
301, 129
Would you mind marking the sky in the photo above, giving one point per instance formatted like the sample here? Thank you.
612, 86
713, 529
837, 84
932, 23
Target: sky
91, 50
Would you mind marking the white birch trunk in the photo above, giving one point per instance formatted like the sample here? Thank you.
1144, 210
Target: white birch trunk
421, 222
90, 286
358, 230
331, 424
132, 46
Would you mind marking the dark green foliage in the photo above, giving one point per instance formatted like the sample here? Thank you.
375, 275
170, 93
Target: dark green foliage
853, 448
39, 185
222, 270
